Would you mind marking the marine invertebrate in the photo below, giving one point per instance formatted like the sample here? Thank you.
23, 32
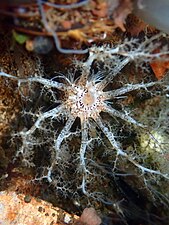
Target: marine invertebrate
83, 100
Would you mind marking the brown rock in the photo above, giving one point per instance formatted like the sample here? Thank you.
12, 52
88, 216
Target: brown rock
15, 209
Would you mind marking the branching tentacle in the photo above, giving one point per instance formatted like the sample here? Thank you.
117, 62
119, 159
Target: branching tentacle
109, 136
123, 116
54, 113
83, 148
65, 133
117, 147
84, 143
127, 89
45, 82
113, 73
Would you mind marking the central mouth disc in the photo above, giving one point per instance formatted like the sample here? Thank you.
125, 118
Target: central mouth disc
88, 98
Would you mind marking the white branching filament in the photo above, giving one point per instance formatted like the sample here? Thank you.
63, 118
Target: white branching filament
86, 98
